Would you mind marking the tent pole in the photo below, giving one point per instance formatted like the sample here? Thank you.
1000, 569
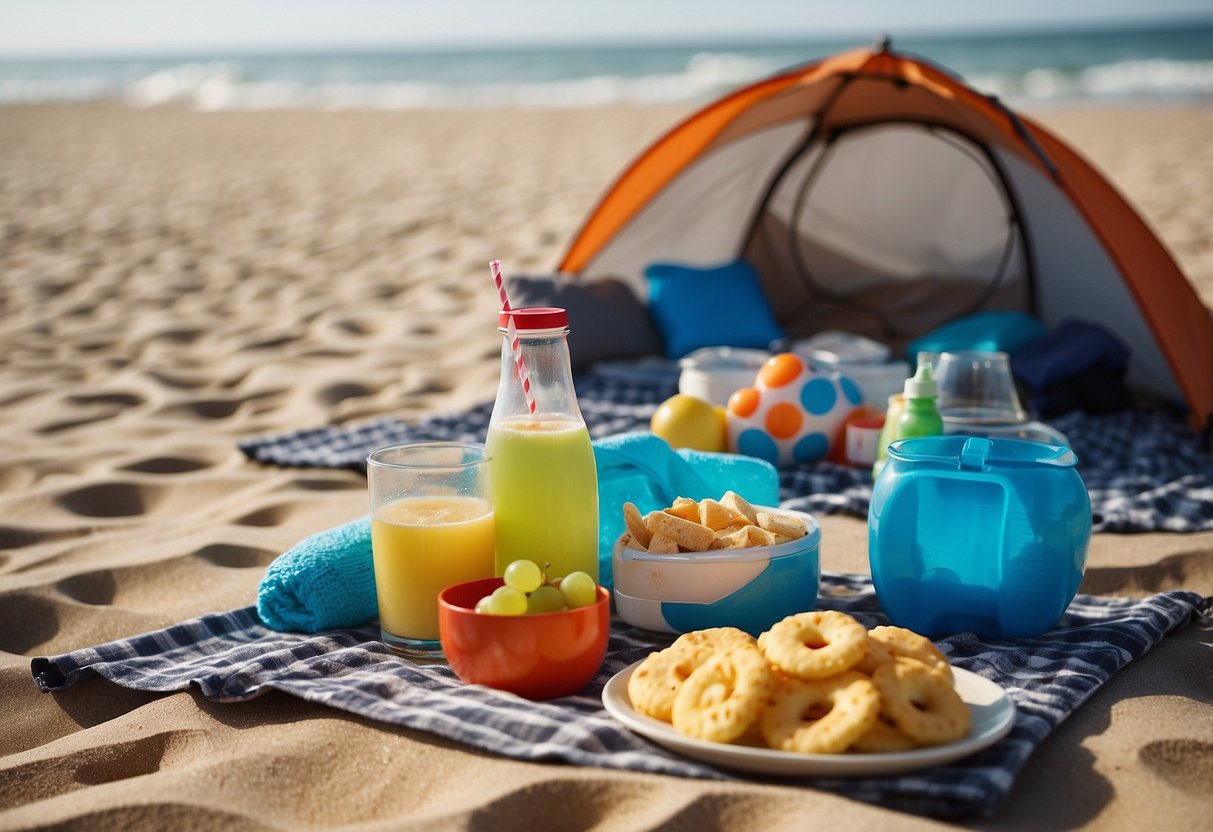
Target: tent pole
761, 206
1026, 137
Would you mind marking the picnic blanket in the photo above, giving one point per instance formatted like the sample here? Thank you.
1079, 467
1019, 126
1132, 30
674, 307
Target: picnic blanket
1145, 470
232, 656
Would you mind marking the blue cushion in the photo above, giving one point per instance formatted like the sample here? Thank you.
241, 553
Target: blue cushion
723, 306
1006, 332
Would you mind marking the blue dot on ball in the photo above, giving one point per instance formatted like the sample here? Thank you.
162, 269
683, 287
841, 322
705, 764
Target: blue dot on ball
851, 390
754, 442
818, 396
811, 447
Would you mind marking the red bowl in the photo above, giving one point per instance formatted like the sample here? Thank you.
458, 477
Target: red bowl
539, 656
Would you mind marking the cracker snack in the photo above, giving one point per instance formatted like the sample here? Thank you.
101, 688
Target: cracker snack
636, 528
688, 534
804, 687
727, 523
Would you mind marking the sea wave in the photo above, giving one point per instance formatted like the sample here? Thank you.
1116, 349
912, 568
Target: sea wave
1138, 79
230, 85
56, 90
227, 85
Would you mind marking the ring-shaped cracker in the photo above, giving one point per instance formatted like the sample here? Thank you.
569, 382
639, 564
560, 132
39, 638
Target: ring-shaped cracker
814, 645
656, 680
876, 656
922, 703
823, 716
716, 637
883, 738
723, 697
910, 645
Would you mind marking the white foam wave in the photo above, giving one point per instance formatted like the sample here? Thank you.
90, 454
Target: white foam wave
221, 85
56, 90
1156, 79
185, 84
224, 85
1149, 77
217, 88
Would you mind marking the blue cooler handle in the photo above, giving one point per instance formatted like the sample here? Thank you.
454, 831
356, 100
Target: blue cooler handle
975, 453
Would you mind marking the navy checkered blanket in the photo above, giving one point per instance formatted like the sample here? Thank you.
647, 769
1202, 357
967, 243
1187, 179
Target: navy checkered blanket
1145, 470
232, 657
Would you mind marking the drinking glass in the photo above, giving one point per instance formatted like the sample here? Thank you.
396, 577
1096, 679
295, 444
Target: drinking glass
976, 387
431, 527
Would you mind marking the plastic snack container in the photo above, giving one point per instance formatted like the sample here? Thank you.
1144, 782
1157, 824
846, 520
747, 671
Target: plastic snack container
974, 534
750, 589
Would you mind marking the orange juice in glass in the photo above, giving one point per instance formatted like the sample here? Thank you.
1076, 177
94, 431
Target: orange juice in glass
431, 527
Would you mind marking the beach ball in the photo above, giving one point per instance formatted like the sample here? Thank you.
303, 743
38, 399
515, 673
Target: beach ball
793, 413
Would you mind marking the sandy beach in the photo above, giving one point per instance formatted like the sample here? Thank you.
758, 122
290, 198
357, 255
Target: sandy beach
173, 281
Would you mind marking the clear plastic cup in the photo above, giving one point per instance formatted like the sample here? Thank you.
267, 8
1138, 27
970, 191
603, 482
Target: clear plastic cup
976, 388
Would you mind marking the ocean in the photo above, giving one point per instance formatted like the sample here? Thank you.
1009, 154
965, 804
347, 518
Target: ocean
1112, 66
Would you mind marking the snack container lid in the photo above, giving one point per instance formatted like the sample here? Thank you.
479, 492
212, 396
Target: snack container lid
725, 358
836, 347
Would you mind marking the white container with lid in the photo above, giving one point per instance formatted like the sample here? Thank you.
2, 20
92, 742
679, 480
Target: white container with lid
834, 347
862, 360
715, 373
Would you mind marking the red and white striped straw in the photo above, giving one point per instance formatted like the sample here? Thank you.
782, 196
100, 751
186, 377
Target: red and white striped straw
511, 333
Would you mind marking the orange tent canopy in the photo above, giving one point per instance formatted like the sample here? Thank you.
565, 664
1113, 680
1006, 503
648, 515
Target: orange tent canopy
1084, 251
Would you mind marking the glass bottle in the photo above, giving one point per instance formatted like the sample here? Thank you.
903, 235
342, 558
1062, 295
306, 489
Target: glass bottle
544, 484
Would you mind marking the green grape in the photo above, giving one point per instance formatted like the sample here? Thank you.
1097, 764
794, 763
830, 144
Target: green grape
523, 575
545, 599
578, 590
485, 605
506, 600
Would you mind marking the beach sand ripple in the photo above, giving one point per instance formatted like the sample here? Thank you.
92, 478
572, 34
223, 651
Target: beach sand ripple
171, 282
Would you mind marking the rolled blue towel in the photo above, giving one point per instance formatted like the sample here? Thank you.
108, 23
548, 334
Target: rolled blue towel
323, 582
327, 581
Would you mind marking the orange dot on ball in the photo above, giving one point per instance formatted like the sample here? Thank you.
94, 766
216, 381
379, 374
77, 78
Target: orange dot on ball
784, 420
781, 370
744, 402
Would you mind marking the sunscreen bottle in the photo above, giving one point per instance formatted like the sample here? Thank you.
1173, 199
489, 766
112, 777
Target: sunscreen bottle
918, 416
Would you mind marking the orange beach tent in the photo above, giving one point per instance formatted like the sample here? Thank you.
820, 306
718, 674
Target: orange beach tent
876, 193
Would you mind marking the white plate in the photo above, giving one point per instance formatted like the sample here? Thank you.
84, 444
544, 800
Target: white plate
993, 715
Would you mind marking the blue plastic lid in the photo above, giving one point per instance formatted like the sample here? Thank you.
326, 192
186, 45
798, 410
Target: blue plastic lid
979, 453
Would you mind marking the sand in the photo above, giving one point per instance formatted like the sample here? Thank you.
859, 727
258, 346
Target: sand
173, 281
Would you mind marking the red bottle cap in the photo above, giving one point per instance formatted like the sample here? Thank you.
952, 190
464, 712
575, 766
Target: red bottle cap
535, 317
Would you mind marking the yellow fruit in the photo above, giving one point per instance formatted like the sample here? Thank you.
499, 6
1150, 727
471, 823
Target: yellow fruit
687, 422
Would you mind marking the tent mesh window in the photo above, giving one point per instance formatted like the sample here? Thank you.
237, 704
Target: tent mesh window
889, 230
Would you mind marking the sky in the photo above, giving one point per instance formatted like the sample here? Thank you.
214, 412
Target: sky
137, 27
